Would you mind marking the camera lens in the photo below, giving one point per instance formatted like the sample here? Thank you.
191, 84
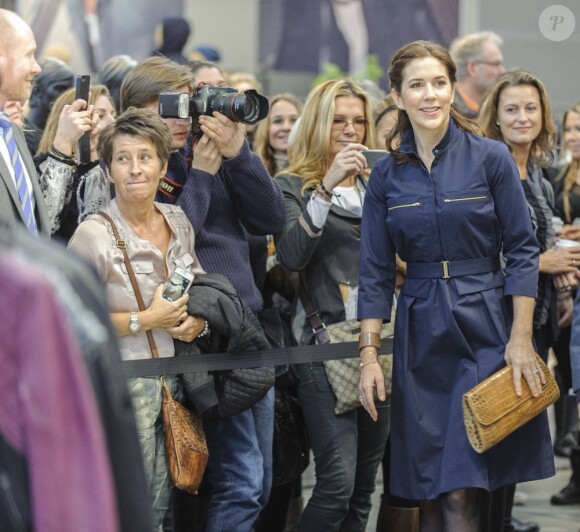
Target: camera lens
248, 107
251, 106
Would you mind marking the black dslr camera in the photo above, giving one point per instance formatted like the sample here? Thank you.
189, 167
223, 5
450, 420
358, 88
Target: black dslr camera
247, 107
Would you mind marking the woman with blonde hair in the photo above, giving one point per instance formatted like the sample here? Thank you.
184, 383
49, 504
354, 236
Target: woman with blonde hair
324, 189
272, 134
73, 190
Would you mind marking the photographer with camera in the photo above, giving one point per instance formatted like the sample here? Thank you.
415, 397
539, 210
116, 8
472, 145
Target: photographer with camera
225, 190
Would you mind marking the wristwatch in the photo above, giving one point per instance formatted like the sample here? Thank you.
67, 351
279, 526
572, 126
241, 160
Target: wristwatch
134, 325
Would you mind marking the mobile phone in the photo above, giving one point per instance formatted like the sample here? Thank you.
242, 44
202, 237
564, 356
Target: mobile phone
82, 86
178, 284
372, 156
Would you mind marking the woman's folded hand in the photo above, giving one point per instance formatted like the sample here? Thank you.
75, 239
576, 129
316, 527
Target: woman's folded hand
188, 330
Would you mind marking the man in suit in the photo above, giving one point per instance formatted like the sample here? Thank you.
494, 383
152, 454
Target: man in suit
20, 195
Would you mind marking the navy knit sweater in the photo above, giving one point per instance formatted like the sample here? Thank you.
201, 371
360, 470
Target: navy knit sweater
240, 197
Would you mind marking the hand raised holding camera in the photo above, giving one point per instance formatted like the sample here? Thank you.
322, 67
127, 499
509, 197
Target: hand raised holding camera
348, 162
206, 156
228, 136
74, 121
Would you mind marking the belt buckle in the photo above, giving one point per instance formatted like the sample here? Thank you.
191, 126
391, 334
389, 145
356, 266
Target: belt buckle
445, 268
320, 328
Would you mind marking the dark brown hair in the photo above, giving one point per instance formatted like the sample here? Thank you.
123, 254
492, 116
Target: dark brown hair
541, 151
401, 59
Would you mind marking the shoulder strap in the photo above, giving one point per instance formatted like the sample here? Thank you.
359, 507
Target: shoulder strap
318, 326
122, 245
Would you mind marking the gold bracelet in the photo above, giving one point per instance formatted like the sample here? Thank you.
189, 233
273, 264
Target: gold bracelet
364, 360
363, 364
374, 352
369, 339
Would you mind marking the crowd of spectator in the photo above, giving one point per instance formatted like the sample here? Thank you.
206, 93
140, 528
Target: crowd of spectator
289, 210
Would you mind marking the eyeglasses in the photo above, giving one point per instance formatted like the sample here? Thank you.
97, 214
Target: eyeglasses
495, 64
341, 122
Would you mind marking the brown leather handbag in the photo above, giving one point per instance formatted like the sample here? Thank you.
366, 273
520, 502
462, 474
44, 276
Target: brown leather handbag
185, 443
492, 410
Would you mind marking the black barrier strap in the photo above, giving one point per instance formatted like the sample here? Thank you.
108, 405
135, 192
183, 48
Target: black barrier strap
280, 356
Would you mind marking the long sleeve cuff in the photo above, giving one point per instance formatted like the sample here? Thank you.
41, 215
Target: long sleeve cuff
318, 210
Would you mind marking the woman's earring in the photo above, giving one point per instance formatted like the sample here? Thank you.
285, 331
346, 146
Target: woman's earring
497, 124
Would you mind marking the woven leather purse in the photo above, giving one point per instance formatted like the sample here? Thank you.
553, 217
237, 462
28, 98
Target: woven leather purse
492, 410
185, 444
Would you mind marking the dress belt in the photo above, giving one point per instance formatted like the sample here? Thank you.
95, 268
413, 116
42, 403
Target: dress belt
452, 268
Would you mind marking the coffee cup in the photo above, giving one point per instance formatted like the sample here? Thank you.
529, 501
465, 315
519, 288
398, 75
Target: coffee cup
565, 243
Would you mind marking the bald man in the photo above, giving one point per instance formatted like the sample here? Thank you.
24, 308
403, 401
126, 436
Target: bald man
21, 199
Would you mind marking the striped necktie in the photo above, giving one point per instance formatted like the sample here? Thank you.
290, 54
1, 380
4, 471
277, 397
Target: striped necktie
19, 176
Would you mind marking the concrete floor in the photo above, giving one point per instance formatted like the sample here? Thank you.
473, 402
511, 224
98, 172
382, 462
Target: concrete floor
536, 508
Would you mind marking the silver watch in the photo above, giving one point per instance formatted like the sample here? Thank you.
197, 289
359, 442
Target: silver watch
134, 324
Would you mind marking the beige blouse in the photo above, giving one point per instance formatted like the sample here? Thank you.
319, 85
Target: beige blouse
94, 240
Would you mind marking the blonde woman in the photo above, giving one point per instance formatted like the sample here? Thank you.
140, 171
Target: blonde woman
273, 133
324, 189
71, 190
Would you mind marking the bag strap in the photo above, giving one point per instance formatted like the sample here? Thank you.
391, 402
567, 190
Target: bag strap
122, 245
312, 315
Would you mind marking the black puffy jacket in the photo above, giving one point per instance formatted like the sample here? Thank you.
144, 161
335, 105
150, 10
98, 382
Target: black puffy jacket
234, 329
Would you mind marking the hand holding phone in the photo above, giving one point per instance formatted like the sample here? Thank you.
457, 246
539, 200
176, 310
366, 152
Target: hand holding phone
179, 283
82, 86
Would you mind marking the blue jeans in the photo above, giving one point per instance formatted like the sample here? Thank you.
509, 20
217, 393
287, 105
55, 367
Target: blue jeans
240, 466
146, 395
347, 452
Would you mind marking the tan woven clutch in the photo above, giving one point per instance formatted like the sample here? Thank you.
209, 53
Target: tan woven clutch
492, 410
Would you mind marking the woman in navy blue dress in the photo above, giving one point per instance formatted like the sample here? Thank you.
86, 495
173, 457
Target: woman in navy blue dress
448, 202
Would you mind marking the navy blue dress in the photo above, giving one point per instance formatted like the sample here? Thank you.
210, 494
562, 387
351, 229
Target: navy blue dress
450, 334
